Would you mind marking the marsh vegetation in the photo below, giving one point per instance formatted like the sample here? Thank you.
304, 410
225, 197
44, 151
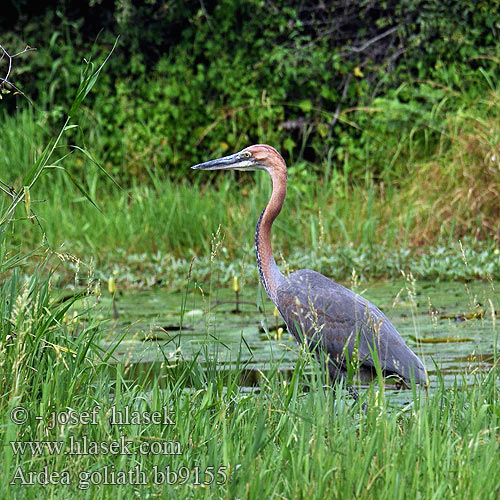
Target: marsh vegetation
116, 264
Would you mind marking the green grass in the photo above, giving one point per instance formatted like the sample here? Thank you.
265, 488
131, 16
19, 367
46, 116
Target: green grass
416, 212
150, 233
282, 442
294, 438
160, 214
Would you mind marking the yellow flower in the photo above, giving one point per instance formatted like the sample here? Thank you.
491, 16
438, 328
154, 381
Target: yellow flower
357, 72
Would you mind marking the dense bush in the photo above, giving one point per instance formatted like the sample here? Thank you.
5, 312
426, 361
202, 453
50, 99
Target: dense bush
190, 80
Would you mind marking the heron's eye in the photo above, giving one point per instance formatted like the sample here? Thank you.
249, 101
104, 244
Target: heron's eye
246, 154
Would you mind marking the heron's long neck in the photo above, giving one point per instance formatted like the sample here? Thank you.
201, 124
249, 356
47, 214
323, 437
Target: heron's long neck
270, 275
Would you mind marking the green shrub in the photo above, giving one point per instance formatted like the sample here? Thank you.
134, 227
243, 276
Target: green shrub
191, 81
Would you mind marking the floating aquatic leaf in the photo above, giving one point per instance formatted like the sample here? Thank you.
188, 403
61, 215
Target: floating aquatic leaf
440, 340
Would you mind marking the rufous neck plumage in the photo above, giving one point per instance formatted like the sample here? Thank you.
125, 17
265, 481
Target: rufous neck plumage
270, 275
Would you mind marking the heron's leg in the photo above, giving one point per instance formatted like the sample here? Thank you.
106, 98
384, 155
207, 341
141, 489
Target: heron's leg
335, 372
353, 392
338, 373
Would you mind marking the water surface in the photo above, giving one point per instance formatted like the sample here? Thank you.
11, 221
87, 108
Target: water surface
448, 325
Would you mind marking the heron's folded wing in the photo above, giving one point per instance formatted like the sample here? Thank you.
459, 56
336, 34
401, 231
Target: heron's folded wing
333, 316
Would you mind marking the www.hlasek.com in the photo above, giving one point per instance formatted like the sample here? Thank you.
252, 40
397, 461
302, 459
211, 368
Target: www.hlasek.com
108, 474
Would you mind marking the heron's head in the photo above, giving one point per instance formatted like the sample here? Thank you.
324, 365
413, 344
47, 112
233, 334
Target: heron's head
256, 157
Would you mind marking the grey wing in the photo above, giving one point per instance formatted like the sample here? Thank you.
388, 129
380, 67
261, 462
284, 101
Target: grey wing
323, 312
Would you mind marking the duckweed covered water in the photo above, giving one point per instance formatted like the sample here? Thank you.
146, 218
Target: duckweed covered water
451, 326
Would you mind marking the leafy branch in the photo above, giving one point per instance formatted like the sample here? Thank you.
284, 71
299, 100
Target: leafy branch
45, 161
4, 81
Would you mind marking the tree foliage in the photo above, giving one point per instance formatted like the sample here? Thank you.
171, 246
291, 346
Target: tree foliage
195, 79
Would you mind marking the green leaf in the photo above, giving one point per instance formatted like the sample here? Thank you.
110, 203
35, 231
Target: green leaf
306, 105
81, 189
289, 144
88, 81
97, 164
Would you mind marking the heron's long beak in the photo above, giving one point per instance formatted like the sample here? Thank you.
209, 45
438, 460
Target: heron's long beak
226, 162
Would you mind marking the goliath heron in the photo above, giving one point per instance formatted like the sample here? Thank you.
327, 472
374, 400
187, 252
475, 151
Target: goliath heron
330, 318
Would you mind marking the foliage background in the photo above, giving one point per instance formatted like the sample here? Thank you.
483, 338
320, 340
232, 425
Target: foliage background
195, 79
388, 116
385, 111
